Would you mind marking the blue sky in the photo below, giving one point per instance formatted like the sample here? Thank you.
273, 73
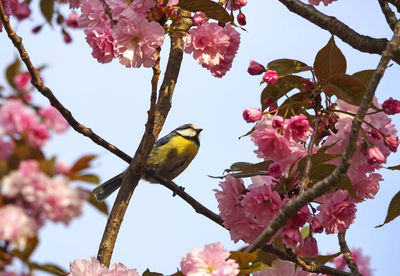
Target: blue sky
159, 229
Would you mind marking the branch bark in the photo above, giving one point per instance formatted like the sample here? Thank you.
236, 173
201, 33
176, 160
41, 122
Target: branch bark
390, 16
360, 42
291, 207
347, 254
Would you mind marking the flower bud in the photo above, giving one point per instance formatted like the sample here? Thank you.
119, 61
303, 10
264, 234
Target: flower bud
391, 106
374, 155
255, 68
274, 170
375, 134
241, 18
392, 142
199, 18
252, 115
72, 20
271, 77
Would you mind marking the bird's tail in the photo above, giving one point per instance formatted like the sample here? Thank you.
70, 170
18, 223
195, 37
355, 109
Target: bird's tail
107, 188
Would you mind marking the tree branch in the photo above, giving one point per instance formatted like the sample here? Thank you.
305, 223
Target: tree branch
306, 264
395, 3
157, 115
362, 43
291, 207
347, 254
388, 13
45, 91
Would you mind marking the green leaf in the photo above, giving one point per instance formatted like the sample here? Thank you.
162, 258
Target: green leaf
210, 8
12, 70
47, 9
238, 165
147, 272
89, 178
393, 210
394, 168
305, 231
83, 163
286, 66
345, 184
346, 87
324, 259
247, 134
319, 157
320, 171
50, 268
99, 205
329, 61
296, 104
281, 88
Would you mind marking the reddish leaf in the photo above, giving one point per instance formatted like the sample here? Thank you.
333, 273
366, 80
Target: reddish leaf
89, 178
99, 205
286, 66
346, 87
329, 61
393, 210
47, 9
83, 163
210, 8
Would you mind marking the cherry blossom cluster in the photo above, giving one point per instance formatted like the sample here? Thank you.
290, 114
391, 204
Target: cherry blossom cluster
212, 260
362, 261
131, 33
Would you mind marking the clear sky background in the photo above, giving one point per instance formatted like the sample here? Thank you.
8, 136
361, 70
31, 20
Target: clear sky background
159, 229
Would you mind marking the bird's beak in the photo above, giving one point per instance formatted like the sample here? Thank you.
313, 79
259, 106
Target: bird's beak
199, 130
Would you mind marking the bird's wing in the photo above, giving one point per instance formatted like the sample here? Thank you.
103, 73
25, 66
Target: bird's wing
164, 140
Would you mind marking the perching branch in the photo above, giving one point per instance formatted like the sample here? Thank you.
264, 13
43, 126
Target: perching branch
306, 264
395, 3
347, 254
45, 91
360, 42
156, 118
291, 207
388, 13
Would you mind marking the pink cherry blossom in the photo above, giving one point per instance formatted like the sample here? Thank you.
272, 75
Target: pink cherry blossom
291, 237
271, 77
61, 202
392, 142
6, 147
20, 10
212, 260
93, 14
316, 226
199, 18
54, 119
298, 128
238, 4
102, 43
38, 135
73, 4
274, 170
316, 2
16, 117
374, 155
72, 20
375, 134
137, 39
62, 167
336, 212
252, 115
23, 81
309, 247
213, 46
365, 186
16, 225
255, 68
94, 268
391, 106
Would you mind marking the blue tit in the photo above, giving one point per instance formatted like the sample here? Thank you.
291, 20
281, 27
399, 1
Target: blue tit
169, 157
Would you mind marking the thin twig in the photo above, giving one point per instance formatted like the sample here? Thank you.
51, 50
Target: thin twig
131, 177
306, 264
390, 16
157, 115
45, 91
291, 207
197, 206
360, 42
347, 254
395, 3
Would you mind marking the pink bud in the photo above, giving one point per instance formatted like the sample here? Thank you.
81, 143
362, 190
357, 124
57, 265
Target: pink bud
36, 29
67, 38
271, 77
241, 18
375, 134
252, 115
274, 170
309, 247
391, 106
374, 155
392, 142
255, 68
72, 20
22, 81
199, 18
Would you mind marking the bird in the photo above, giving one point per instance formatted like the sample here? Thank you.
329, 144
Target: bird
169, 157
